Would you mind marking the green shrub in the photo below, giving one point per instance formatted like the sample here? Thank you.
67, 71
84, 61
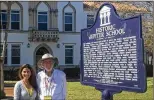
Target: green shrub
149, 70
11, 74
72, 72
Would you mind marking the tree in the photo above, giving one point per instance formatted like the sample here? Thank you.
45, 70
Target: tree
4, 49
148, 36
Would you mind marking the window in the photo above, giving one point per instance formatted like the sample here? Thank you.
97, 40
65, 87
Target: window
69, 54
68, 22
1, 48
3, 19
90, 20
15, 20
42, 21
15, 54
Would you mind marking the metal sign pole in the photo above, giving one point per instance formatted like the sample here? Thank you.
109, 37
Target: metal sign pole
108, 94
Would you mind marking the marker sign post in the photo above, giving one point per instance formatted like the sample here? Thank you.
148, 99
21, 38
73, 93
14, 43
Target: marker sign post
112, 54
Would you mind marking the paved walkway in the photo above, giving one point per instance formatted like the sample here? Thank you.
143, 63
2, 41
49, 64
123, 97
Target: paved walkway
8, 91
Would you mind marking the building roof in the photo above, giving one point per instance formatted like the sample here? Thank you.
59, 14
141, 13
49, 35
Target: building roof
121, 7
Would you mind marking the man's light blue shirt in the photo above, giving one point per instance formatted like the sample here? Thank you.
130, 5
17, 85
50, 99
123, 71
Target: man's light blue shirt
57, 87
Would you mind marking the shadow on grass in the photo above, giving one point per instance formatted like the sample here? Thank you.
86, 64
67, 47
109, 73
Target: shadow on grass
73, 80
7, 98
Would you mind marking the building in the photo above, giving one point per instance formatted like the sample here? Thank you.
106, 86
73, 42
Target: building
51, 27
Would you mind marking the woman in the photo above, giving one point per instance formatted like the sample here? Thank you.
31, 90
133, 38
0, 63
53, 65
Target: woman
25, 89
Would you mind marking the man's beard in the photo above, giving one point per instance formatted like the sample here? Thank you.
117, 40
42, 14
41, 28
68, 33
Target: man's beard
50, 68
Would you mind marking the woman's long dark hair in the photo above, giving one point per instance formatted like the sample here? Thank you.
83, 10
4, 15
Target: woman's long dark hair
32, 79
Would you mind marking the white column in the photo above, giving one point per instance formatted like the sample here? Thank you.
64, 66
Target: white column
105, 18
9, 54
101, 16
108, 17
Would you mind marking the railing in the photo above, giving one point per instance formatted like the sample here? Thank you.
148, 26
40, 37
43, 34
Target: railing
48, 36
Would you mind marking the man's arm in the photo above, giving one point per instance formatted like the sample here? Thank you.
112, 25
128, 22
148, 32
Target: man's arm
38, 87
64, 86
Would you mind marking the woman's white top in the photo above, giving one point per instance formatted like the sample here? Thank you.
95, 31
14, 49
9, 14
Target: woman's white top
20, 92
54, 86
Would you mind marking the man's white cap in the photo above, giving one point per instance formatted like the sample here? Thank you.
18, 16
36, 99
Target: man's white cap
45, 56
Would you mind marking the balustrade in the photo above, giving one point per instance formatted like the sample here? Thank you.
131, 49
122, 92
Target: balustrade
48, 36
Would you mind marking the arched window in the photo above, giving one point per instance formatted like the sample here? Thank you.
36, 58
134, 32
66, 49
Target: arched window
15, 17
16, 11
3, 16
42, 16
69, 17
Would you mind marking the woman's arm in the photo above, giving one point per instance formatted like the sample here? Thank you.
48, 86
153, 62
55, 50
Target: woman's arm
17, 91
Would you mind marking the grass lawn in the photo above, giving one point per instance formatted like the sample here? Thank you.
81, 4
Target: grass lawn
76, 91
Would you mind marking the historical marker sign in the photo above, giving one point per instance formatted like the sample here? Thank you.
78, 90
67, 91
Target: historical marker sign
112, 52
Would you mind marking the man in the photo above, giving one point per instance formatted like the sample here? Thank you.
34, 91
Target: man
51, 82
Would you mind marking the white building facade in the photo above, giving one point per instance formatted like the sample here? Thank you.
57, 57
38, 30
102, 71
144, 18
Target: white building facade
45, 27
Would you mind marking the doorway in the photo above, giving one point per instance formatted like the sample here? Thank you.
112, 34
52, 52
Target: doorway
39, 52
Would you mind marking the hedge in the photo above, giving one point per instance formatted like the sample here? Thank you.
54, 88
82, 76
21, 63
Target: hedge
12, 73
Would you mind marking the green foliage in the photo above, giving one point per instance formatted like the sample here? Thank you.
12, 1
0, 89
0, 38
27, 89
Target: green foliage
11, 74
148, 35
149, 70
72, 72
2, 94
